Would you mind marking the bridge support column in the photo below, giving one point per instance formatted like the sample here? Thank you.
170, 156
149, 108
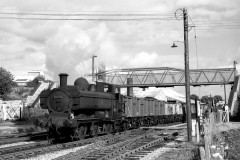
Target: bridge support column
129, 89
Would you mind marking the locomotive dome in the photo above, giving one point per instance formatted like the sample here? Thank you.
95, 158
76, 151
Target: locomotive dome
81, 83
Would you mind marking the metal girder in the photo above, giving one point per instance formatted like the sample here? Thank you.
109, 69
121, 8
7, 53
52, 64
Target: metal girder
168, 77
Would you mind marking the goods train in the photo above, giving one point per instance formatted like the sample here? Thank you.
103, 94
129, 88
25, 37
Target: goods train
88, 110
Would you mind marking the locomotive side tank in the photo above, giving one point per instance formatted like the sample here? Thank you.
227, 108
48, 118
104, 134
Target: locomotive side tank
66, 100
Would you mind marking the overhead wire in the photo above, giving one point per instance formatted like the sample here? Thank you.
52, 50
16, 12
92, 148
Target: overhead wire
218, 21
78, 16
195, 37
82, 11
110, 16
89, 19
217, 24
196, 49
114, 16
217, 28
85, 14
18, 34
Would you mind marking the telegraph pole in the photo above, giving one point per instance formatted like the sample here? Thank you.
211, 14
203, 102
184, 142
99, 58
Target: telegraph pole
187, 76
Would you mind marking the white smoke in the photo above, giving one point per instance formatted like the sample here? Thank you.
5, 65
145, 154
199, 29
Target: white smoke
70, 48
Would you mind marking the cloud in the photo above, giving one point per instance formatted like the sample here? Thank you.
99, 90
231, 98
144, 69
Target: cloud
67, 46
71, 49
141, 59
66, 49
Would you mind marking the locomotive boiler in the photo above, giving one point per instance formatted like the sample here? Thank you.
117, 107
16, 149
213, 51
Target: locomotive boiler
83, 109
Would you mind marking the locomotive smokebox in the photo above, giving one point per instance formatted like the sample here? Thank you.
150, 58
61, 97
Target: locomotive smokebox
63, 79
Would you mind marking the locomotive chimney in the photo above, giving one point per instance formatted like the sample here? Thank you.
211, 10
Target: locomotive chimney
63, 79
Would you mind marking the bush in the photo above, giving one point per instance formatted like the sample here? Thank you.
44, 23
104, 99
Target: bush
30, 129
41, 121
20, 130
35, 81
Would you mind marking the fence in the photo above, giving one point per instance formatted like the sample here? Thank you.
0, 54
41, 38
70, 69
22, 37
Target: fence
10, 110
213, 118
14, 110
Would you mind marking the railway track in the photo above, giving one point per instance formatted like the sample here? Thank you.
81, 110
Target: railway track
23, 137
9, 150
122, 147
119, 146
30, 150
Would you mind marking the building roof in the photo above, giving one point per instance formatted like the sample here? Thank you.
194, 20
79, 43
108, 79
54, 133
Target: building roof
164, 94
23, 78
18, 80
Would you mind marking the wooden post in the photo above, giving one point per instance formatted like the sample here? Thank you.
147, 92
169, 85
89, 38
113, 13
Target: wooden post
197, 132
197, 120
209, 110
187, 75
220, 116
206, 139
20, 114
227, 112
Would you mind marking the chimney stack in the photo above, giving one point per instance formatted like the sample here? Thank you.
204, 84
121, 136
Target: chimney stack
63, 79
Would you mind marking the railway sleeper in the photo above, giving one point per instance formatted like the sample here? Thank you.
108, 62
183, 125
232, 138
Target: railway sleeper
131, 152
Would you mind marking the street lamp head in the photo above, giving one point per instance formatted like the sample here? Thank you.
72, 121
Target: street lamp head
174, 45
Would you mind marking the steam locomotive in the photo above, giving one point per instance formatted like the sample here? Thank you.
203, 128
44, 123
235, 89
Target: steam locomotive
88, 110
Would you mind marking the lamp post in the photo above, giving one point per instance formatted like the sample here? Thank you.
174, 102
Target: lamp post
93, 74
174, 44
234, 66
187, 75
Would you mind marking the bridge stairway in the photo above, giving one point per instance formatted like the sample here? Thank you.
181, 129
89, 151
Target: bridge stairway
234, 101
32, 100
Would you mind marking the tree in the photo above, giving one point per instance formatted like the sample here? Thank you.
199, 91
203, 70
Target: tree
217, 98
35, 81
206, 99
6, 82
40, 78
194, 97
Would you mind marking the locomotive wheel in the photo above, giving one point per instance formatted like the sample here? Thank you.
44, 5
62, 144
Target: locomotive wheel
138, 124
94, 130
105, 128
161, 121
53, 135
80, 133
147, 123
166, 121
124, 126
109, 128
85, 131
70, 138
50, 135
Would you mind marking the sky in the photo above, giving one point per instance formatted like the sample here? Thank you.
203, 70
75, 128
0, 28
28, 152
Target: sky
58, 46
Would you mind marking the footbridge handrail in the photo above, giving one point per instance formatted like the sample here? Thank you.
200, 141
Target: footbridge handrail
167, 76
